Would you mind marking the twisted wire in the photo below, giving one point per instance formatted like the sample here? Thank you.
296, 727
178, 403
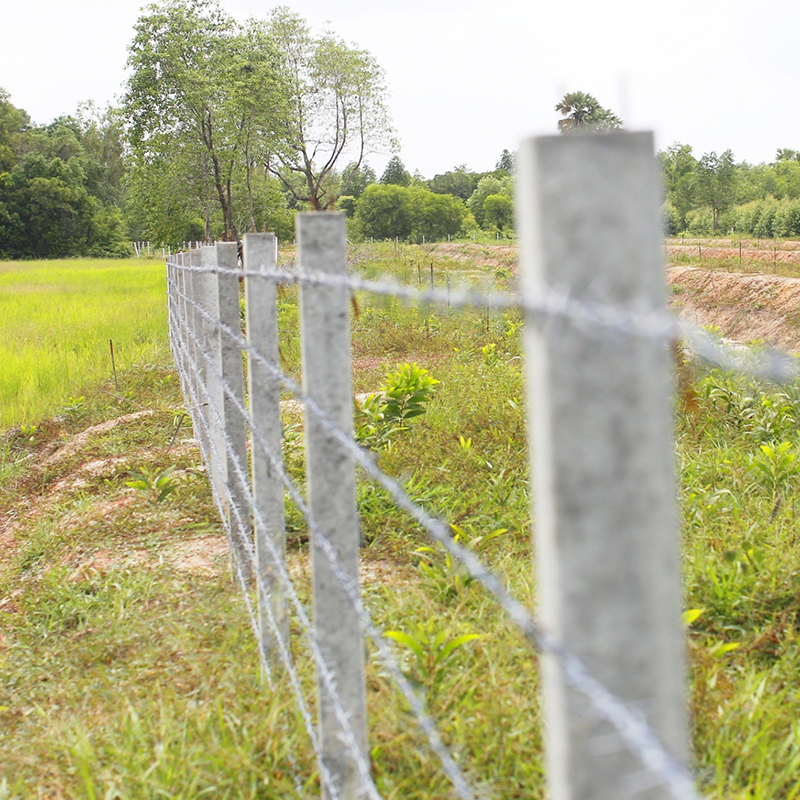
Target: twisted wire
413, 697
631, 726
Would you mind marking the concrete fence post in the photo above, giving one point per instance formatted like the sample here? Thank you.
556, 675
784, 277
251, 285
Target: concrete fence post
195, 290
264, 391
602, 456
235, 429
212, 376
325, 343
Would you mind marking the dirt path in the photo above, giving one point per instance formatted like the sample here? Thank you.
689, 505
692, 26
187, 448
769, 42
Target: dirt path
744, 307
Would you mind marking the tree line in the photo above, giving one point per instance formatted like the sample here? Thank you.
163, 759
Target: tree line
715, 194
226, 127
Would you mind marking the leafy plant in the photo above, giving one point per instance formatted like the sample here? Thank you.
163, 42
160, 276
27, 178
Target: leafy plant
444, 574
403, 396
433, 650
74, 407
776, 465
157, 486
406, 391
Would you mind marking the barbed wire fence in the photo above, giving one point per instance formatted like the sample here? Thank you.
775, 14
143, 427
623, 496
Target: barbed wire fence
608, 622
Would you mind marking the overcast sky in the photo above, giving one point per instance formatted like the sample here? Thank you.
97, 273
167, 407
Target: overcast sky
468, 79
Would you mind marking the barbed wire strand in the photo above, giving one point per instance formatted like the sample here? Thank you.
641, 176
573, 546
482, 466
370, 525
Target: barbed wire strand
631, 726
426, 723
555, 303
200, 422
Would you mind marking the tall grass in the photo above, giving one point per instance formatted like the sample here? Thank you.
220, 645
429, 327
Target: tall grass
56, 319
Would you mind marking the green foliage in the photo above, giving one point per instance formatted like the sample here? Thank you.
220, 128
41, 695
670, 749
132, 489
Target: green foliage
700, 221
434, 651
775, 466
355, 179
459, 181
156, 486
406, 392
582, 112
395, 173
499, 210
445, 576
404, 395
61, 185
387, 211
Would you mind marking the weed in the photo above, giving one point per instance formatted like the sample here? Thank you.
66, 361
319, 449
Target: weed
445, 576
775, 466
433, 650
156, 486
403, 396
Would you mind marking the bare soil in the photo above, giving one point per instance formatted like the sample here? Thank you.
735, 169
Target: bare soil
745, 307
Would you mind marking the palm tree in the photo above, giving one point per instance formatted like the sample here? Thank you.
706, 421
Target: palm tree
582, 111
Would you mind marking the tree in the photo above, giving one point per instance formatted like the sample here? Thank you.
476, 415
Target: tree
335, 109
388, 210
498, 212
203, 92
58, 196
396, 173
582, 112
486, 187
716, 176
356, 178
506, 162
459, 181
13, 123
434, 216
786, 154
678, 167
384, 211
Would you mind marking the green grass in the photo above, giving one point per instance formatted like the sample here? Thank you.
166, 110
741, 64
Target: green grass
56, 320
128, 673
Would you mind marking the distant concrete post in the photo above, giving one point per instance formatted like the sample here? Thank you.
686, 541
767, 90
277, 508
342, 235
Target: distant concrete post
264, 391
195, 289
325, 341
232, 408
602, 456
212, 375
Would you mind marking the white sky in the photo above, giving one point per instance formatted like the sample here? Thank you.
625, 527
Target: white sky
470, 78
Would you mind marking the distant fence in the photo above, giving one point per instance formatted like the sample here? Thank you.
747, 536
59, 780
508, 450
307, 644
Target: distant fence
598, 385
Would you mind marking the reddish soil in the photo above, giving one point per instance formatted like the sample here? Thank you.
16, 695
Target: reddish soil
744, 307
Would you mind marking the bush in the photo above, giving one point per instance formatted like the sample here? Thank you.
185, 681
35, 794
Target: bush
700, 221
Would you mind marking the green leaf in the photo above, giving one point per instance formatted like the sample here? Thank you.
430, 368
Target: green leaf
407, 641
453, 645
691, 615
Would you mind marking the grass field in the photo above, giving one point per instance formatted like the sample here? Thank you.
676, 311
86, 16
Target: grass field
56, 320
128, 669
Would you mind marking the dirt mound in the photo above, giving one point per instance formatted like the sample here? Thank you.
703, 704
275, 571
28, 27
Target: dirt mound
744, 307
481, 255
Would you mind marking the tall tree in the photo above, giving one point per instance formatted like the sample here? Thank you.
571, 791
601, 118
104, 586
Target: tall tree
205, 92
678, 167
459, 181
396, 173
716, 183
582, 112
336, 110
506, 162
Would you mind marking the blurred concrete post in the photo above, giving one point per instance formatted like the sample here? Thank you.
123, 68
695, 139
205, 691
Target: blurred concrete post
212, 361
602, 456
264, 391
195, 290
325, 341
235, 454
